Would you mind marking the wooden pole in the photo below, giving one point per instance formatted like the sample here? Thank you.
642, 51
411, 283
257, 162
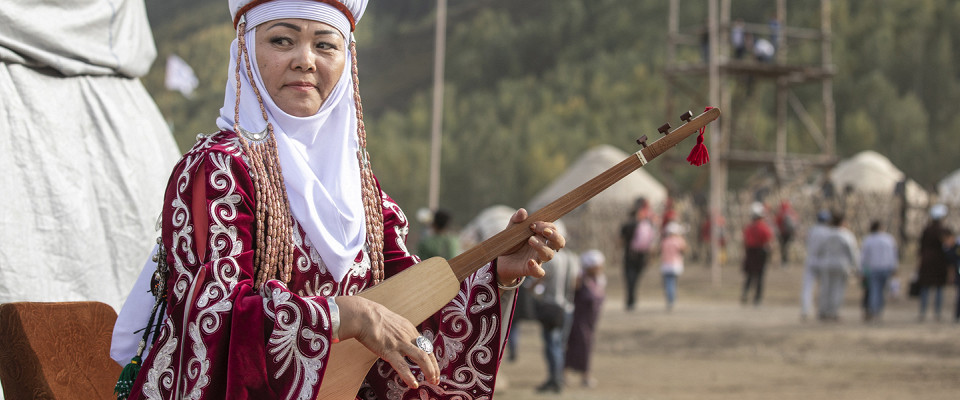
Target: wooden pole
829, 114
782, 91
724, 33
673, 30
433, 200
781, 16
718, 167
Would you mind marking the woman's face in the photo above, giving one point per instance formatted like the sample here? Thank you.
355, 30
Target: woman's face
300, 62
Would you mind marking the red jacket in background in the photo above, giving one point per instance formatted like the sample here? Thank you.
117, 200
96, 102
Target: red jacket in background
757, 234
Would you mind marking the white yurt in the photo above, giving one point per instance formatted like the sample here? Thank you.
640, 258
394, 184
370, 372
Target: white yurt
871, 172
593, 163
596, 224
949, 188
487, 223
866, 186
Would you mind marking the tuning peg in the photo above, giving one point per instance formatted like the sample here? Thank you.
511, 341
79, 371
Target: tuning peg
642, 141
686, 116
664, 129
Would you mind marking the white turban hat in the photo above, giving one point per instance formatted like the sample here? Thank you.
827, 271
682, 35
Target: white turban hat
346, 19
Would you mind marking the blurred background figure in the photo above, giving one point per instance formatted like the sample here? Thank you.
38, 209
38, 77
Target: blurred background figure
879, 259
763, 50
838, 257
815, 236
669, 215
774, 24
952, 248
737, 39
786, 220
639, 236
440, 241
523, 311
672, 249
553, 306
705, 42
85, 151
704, 239
588, 304
756, 242
932, 271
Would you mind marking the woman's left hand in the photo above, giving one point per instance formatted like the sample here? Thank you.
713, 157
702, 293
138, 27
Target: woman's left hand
529, 258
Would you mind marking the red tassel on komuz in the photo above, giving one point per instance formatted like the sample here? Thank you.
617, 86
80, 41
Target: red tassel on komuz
699, 155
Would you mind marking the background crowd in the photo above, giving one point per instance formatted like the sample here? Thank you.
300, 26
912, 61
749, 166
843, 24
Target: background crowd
568, 302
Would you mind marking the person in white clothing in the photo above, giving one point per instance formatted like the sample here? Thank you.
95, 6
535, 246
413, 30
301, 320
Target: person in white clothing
815, 236
763, 50
838, 258
879, 259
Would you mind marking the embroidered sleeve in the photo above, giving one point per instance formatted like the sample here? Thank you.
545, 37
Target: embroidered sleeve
223, 338
468, 333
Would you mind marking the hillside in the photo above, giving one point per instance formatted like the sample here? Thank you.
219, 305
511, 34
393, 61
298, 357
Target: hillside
531, 85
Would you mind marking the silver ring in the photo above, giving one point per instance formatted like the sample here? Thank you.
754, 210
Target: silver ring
424, 344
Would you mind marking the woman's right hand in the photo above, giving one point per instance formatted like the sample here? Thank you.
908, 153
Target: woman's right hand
388, 335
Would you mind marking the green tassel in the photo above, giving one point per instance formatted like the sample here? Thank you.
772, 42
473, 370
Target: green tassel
127, 376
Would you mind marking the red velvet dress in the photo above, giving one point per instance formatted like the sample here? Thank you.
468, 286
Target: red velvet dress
223, 339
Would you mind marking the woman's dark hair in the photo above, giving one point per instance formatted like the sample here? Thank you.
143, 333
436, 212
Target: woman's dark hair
875, 226
837, 219
638, 204
440, 220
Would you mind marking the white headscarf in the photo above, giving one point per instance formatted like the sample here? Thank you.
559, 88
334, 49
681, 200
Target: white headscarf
318, 154
592, 258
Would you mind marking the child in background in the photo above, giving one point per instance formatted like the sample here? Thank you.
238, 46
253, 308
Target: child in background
588, 302
672, 249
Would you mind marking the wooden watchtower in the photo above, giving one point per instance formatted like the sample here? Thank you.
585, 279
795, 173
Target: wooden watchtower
795, 64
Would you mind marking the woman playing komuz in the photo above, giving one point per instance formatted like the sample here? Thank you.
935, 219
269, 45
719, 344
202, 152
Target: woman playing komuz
273, 223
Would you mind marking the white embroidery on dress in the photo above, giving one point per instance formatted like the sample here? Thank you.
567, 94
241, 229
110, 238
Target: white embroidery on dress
317, 286
214, 300
198, 366
466, 381
302, 262
468, 375
161, 373
402, 228
223, 209
317, 282
230, 145
484, 299
183, 229
182, 240
356, 278
315, 256
290, 327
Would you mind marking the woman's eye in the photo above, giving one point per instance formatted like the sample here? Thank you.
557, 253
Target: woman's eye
280, 41
326, 46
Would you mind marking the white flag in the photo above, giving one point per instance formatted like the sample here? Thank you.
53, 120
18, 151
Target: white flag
180, 76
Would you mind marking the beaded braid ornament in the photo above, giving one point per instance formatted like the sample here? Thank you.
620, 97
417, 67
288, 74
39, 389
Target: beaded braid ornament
158, 287
273, 256
372, 203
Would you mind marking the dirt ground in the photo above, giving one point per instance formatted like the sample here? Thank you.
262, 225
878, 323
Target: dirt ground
710, 346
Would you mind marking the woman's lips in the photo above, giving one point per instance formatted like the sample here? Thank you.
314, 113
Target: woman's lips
304, 86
